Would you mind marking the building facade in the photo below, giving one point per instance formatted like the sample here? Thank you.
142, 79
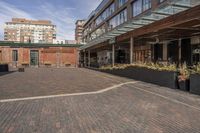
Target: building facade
29, 31
143, 31
38, 55
79, 31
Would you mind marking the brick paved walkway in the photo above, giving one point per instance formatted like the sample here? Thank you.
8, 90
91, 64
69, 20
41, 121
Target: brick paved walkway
40, 82
131, 108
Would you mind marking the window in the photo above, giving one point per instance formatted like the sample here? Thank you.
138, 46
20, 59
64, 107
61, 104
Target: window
98, 32
118, 19
122, 2
122, 17
137, 7
15, 55
146, 4
140, 5
161, 1
108, 12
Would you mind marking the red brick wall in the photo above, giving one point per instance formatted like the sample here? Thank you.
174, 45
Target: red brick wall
54, 56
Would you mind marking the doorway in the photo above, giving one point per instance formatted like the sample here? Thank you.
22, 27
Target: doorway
34, 58
173, 52
158, 52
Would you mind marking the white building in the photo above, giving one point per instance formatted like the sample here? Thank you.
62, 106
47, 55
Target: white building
62, 41
58, 41
29, 31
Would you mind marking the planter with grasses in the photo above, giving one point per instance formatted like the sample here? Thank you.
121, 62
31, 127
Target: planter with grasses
4, 67
184, 78
151, 73
195, 81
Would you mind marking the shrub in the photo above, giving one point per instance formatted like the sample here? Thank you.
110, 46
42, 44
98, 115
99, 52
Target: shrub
197, 68
184, 73
153, 66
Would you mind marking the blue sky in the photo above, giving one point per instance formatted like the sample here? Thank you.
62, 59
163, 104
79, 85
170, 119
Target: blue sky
62, 13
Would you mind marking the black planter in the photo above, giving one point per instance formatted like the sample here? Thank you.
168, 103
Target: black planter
21, 69
4, 68
184, 85
162, 78
195, 84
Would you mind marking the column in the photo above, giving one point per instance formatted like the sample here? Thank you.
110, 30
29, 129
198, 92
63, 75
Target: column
179, 52
89, 58
165, 51
131, 49
113, 55
84, 58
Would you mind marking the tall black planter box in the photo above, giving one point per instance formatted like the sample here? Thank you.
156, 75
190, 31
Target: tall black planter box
184, 85
4, 68
195, 84
162, 78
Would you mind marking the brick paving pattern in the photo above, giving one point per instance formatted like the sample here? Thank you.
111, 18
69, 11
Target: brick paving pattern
132, 108
52, 81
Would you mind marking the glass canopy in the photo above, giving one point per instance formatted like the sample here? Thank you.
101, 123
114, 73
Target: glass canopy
172, 7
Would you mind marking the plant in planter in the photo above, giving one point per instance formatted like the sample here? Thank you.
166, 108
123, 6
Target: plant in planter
198, 68
184, 78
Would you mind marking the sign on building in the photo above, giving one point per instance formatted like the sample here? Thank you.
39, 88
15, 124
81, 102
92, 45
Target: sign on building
196, 51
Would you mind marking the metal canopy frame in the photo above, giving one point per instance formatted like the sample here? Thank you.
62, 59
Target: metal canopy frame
172, 7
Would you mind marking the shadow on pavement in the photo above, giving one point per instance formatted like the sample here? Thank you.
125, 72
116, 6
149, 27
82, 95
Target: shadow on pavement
5, 73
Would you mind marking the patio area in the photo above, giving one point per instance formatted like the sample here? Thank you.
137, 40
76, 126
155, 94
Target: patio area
87, 101
52, 81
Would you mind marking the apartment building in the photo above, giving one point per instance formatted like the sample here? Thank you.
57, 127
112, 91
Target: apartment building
143, 31
79, 31
29, 31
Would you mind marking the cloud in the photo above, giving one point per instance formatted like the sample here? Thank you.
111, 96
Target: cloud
7, 12
63, 15
64, 21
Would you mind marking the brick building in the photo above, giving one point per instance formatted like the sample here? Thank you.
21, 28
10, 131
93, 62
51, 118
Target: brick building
29, 31
39, 55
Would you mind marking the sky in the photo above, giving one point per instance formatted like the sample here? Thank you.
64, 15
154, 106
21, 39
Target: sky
62, 13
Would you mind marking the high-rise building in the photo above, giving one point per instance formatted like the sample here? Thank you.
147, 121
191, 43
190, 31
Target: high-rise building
29, 31
79, 31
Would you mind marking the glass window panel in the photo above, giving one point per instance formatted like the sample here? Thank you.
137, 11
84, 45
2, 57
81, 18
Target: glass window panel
118, 19
122, 2
161, 1
108, 12
146, 4
137, 7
